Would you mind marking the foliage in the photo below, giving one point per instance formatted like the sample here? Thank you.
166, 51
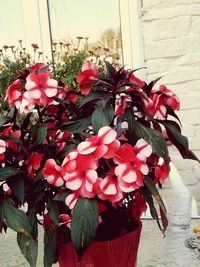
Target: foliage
86, 151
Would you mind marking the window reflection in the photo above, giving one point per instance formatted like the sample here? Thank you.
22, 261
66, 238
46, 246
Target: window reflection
11, 22
97, 22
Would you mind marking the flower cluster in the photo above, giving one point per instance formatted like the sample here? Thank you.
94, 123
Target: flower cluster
93, 148
127, 167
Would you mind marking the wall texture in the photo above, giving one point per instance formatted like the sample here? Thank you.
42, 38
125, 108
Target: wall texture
171, 31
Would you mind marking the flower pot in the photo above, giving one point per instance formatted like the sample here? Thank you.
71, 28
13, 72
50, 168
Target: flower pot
120, 252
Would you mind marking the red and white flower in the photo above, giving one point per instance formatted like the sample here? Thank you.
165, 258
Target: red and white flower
80, 174
122, 102
138, 206
104, 144
33, 163
161, 171
14, 93
52, 172
110, 188
132, 164
159, 100
40, 88
71, 199
87, 77
2, 149
9, 132
136, 80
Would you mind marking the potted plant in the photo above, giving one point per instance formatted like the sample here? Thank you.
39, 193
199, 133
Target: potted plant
84, 162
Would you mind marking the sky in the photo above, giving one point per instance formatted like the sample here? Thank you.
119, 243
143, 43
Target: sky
69, 18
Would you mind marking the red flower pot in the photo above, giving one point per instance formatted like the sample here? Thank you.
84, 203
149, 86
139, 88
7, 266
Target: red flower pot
120, 252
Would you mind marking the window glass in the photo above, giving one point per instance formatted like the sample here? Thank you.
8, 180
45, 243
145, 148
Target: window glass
98, 20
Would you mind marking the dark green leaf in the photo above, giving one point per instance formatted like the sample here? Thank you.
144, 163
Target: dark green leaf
153, 137
67, 149
17, 186
6, 172
43, 69
28, 247
4, 120
41, 134
97, 95
14, 218
180, 141
76, 126
102, 117
11, 112
53, 211
61, 196
84, 224
153, 212
154, 191
50, 247
32, 217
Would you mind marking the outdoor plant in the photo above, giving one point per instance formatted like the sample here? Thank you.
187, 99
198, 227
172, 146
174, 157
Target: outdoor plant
84, 162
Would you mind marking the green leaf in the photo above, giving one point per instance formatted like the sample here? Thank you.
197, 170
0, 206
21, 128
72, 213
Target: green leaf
61, 196
53, 211
154, 191
179, 140
15, 219
76, 126
28, 247
17, 186
4, 120
102, 116
50, 248
84, 224
40, 135
66, 150
151, 136
6, 172
153, 211
97, 95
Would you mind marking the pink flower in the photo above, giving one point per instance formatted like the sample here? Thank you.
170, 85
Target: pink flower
79, 173
65, 219
87, 77
2, 149
61, 139
136, 80
132, 164
38, 67
161, 172
110, 188
159, 101
52, 172
33, 163
171, 99
72, 96
138, 206
9, 132
104, 144
71, 199
14, 93
156, 106
122, 102
40, 88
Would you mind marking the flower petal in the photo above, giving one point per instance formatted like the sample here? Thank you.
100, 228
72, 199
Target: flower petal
107, 135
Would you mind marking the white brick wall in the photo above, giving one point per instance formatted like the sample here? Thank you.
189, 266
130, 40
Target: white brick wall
171, 31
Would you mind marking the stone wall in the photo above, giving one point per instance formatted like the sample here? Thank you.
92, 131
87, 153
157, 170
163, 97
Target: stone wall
171, 31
